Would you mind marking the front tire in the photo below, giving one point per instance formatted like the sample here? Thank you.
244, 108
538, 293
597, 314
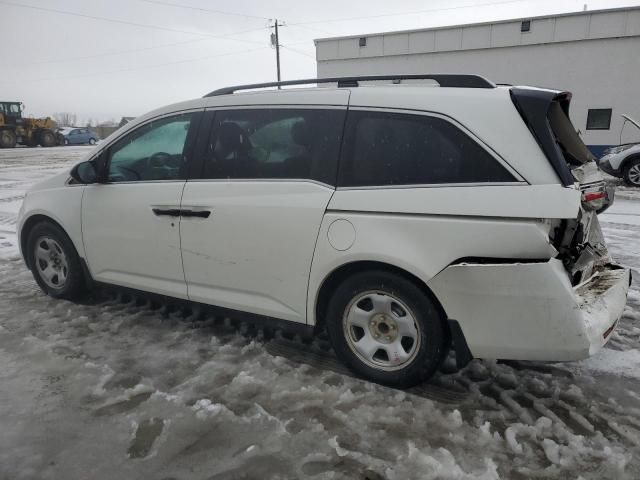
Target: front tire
54, 262
632, 173
386, 329
47, 138
7, 139
92, 141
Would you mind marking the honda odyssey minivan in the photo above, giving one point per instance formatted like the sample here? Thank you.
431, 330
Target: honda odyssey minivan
405, 220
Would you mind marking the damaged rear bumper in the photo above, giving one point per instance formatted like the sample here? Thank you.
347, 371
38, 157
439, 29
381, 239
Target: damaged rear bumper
601, 300
530, 311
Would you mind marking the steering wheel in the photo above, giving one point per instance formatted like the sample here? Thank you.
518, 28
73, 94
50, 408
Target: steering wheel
158, 159
123, 178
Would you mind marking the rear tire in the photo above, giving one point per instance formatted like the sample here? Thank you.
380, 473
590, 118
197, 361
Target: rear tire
92, 141
631, 174
54, 262
7, 139
47, 138
386, 329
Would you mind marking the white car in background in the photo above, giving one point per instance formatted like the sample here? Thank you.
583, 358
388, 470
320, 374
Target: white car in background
623, 161
405, 220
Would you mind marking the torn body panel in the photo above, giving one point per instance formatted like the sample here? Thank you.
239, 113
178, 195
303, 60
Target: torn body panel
530, 311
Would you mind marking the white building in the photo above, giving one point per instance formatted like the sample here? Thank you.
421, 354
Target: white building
594, 54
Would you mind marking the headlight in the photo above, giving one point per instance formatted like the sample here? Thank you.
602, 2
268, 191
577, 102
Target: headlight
621, 148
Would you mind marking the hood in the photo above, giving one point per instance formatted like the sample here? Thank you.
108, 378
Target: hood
57, 181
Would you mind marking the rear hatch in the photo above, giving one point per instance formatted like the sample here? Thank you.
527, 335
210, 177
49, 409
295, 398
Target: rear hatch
579, 241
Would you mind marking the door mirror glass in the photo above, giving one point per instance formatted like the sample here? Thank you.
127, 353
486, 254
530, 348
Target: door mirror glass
84, 173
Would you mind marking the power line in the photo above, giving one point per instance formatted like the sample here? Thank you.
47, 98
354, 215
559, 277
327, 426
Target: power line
382, 15
311, 29
125, 22
299, 52
108, 54
177, 62
205, 10
135, 50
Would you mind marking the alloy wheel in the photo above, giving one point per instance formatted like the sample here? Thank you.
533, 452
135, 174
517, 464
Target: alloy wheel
634, 174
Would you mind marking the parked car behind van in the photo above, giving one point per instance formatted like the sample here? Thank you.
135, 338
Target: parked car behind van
623, 161
405, 220
79, 136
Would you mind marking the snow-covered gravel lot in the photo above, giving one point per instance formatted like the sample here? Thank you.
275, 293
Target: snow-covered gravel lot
121, 388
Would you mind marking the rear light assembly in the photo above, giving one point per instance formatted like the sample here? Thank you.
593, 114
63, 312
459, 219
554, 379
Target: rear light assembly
597, 200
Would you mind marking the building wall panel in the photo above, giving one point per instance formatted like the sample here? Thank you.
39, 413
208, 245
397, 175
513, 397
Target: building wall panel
607, 25
449, 39
396, 44
476, 37
422, 42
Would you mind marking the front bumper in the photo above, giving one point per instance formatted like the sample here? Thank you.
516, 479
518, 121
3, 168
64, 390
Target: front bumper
530, 311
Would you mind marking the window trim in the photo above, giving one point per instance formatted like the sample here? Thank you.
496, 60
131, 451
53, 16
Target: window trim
434, 185
609, 109
196, 171
286, 106
519, 179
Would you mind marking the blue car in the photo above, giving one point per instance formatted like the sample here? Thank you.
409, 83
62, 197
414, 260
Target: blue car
79, 136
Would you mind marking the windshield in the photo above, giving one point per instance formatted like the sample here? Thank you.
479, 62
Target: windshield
573, 148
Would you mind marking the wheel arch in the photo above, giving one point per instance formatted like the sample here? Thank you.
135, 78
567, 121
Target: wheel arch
336, 276
628, 160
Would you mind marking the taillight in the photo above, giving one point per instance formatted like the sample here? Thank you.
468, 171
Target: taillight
595, 200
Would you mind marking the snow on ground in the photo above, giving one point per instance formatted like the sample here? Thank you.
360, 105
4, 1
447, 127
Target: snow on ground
118, 387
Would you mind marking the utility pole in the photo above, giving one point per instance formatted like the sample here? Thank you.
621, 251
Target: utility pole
275, 42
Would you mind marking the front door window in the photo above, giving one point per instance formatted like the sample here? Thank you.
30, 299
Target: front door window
151, 152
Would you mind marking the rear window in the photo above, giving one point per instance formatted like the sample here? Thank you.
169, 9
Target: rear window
573, 148
400, 149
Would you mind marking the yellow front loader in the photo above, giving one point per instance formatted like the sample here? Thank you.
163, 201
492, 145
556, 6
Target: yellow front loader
14, 129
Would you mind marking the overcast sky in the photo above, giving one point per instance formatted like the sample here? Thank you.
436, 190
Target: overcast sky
103, 59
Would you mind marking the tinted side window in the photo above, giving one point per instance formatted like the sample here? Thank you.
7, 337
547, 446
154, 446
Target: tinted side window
398, 149
151, 152
275, 143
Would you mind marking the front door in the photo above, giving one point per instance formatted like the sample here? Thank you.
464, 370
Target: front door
250, 223
130, 223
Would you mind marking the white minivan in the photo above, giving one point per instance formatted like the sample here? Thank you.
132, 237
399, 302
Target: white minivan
405, 220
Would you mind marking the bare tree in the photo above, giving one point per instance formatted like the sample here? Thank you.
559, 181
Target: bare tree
65, 119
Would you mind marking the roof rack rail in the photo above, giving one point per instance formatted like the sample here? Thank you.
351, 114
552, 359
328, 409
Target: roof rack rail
443, 79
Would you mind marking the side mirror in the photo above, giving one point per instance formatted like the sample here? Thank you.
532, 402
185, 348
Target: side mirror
84, 173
